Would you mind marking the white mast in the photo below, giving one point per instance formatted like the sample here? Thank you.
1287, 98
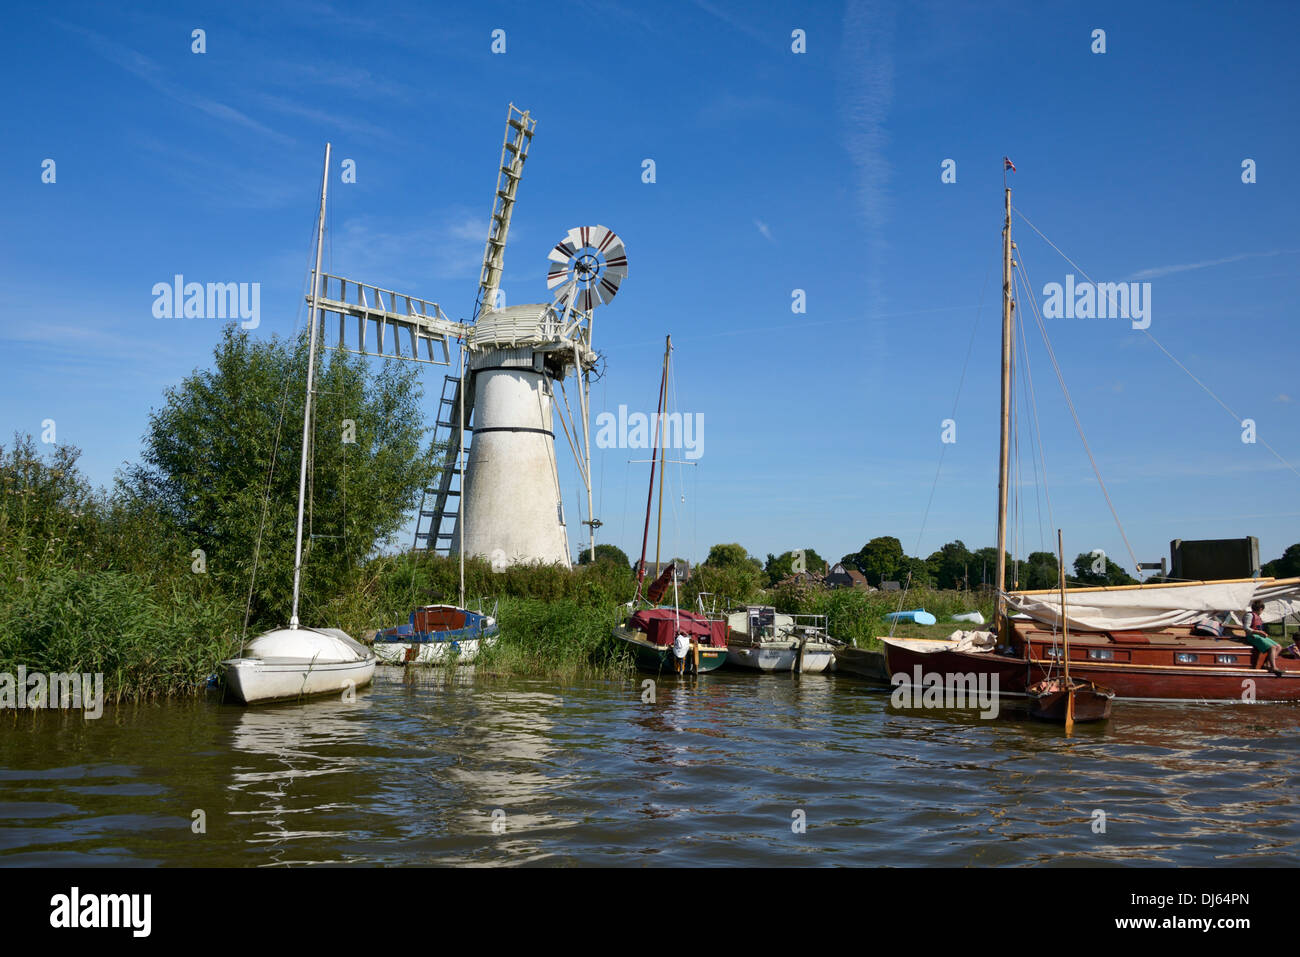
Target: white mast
311, 373
460, 465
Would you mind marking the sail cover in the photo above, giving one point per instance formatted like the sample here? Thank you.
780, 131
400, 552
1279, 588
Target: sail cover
1152, 607
1281, 600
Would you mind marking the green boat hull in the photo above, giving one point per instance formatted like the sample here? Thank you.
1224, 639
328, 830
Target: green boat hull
658, 659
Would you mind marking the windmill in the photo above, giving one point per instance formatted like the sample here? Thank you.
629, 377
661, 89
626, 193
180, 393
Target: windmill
515, 363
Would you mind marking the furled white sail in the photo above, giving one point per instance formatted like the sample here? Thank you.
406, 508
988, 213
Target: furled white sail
1150, 607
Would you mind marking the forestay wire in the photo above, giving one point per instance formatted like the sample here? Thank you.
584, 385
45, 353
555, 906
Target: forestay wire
1147, 332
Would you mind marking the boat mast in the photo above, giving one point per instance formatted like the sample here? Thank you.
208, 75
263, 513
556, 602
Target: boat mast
663, 457
649, 498
460, 466
1065, 637
1005, 450
311, 373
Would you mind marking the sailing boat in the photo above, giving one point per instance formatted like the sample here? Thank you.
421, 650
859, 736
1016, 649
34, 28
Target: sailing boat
662, 638
1138, 640
442, 634
297, 662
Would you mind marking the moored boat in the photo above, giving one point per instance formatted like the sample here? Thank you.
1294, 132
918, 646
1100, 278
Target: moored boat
1164, 664
668, 640
763, 639
1137, 641
1050, 700
297, 662
437, 634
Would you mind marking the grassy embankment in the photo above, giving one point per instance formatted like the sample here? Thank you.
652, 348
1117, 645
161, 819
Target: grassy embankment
558, 623
158, 635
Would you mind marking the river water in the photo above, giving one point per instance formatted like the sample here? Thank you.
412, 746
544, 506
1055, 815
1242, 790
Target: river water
727, 769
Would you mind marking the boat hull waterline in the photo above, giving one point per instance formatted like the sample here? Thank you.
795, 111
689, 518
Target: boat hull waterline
1150, 683
659, 659
463, 651
437, 634
782, 656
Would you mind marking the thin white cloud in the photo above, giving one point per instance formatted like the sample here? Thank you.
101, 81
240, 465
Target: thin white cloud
332, 118
152, 73
439, 262
765, 230
1158, 271
739, 23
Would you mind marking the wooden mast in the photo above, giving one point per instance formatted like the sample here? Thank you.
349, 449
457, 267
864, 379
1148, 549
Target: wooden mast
1004, 456
311, 373
1065, 637
649, 498
659, 431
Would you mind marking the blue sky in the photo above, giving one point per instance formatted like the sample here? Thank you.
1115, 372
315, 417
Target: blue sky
775, 171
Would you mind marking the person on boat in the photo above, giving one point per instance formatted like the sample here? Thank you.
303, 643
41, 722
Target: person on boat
1257, 639
681, 648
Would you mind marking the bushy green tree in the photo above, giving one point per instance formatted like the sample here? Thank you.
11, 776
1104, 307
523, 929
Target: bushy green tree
605, 553
1040, 570
1114, 574
221, 460
731, 555
880, 559
783, 565
920, 570
1288, 566
951, 565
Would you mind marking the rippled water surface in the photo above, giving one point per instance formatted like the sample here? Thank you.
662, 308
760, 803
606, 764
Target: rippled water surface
716, 771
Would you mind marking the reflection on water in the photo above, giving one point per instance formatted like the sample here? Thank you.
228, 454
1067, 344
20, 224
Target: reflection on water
422, 770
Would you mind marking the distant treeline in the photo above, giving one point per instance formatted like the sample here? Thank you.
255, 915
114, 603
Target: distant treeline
954, 566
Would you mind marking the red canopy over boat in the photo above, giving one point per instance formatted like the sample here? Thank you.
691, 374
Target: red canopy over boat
661, 624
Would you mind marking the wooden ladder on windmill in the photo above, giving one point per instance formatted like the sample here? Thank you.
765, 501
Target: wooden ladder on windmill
439, 515
514, 151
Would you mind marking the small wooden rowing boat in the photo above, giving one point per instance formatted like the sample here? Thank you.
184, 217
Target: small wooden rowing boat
1050, 700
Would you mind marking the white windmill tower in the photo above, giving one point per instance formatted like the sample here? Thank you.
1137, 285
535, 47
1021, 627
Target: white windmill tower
517, 360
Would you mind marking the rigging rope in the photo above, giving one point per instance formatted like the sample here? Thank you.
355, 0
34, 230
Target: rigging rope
1028, 385
275, 449
1060, 378
1147, 332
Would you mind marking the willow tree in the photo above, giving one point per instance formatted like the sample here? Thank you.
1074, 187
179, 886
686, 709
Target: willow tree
221, 460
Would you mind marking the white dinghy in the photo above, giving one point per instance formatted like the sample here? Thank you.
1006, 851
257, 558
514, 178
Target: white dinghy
296, 662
